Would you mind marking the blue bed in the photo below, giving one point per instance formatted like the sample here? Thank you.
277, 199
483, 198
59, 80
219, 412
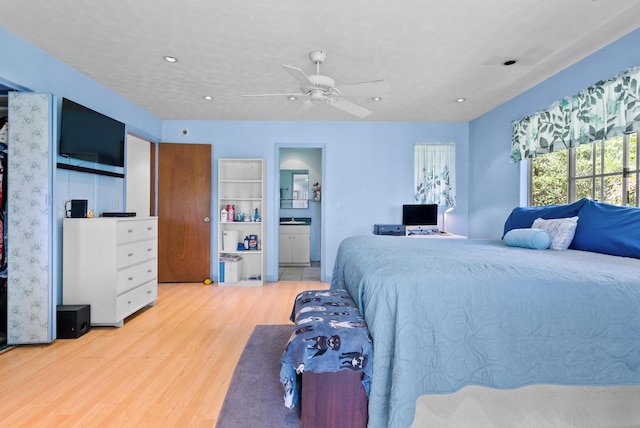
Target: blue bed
445, 313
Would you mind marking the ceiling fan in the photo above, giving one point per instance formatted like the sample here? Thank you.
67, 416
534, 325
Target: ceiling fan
320, 88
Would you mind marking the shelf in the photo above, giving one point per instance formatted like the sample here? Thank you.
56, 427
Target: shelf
241, 223
241, 182
233, 198
244, 282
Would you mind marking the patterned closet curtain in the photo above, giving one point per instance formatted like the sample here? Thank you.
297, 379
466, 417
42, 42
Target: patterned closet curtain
435, 174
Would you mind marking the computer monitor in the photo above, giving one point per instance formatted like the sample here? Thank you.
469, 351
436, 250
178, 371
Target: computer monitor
420, 215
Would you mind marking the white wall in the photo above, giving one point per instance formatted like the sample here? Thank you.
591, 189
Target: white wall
138, 176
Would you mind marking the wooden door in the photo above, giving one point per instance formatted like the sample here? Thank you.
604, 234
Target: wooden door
184, 211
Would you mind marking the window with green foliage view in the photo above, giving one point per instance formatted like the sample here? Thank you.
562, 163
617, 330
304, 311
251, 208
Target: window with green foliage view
607, 171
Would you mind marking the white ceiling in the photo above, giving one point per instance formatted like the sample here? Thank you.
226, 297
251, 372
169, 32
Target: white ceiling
430, 52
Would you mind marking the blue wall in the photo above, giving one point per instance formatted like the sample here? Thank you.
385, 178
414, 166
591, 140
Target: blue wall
368, 170
496, 182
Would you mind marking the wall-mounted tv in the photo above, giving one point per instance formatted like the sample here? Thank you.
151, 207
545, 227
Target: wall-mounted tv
420, 215
88, 135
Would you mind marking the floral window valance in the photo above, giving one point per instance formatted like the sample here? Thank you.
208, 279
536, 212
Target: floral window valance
607, 109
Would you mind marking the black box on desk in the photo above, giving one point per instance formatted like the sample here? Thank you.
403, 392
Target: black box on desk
73, 321
389, 229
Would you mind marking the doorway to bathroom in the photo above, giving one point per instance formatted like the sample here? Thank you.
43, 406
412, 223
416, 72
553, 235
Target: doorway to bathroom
300, 213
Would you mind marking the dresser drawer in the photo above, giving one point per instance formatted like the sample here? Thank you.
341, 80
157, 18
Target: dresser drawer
136, 252
135, 275
130, 302
129, 231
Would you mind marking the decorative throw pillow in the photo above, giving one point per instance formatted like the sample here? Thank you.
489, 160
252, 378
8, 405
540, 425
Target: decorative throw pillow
523, 217
536, 239
561, 230
608, 229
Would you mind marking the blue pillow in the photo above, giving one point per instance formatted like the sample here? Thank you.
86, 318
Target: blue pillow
523, 217
608, 229
536, 239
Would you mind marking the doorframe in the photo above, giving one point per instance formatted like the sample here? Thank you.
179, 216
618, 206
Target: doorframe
276, 180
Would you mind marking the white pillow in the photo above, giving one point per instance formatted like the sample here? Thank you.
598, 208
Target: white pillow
561, 230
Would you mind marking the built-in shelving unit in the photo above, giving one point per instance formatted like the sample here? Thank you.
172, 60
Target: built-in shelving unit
241, 185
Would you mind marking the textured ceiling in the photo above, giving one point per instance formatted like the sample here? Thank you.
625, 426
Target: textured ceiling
430, 52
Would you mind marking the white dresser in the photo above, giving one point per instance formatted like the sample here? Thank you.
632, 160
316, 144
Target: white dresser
110, 264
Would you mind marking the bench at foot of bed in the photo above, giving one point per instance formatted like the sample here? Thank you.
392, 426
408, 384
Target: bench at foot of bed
330, 350
333, 400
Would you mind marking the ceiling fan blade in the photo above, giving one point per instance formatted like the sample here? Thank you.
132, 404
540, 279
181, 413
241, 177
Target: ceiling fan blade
297, 94
299, 75
372, 88
349, 107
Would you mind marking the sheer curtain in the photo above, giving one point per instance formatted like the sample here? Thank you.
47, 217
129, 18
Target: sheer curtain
435, 174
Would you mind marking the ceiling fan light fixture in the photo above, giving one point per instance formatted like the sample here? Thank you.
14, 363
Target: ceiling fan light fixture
208, 97
170, 59
319, 88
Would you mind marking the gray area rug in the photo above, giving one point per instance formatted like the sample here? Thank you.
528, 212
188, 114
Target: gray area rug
255, 395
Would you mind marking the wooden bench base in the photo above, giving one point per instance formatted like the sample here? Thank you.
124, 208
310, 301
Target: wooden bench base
333, 400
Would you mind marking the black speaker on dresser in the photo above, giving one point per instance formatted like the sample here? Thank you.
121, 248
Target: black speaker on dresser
73, 321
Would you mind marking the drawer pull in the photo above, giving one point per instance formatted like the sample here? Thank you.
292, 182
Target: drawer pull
150, 270
130, 255
149, 249
130, 278
149, 228
130, 231
148, 291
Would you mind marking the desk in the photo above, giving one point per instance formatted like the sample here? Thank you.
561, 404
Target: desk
435, 235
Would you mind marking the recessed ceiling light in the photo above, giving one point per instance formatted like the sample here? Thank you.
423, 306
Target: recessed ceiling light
170, 59
510, 62
292, 98
461, 100
376, 99
208, 97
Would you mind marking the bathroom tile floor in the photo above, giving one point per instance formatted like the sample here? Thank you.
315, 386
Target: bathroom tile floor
294, 273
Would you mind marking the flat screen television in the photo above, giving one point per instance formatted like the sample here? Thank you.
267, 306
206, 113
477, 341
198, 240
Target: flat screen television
88, 135
420, 215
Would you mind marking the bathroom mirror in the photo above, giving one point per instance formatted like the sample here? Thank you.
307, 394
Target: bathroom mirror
294, 188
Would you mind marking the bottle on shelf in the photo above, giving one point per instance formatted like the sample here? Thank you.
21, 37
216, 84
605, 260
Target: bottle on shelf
231, 212
223, 214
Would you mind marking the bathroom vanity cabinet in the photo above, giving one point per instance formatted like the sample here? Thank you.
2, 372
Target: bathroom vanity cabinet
295, 245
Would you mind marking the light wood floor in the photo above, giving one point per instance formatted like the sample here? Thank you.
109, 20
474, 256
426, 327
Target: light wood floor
169, 366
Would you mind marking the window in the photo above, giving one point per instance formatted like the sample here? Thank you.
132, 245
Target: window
607, 171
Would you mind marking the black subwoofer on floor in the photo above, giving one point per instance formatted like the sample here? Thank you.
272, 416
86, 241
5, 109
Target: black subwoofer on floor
73, 321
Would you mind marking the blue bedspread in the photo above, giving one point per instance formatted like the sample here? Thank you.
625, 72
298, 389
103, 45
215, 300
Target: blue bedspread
445, 313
